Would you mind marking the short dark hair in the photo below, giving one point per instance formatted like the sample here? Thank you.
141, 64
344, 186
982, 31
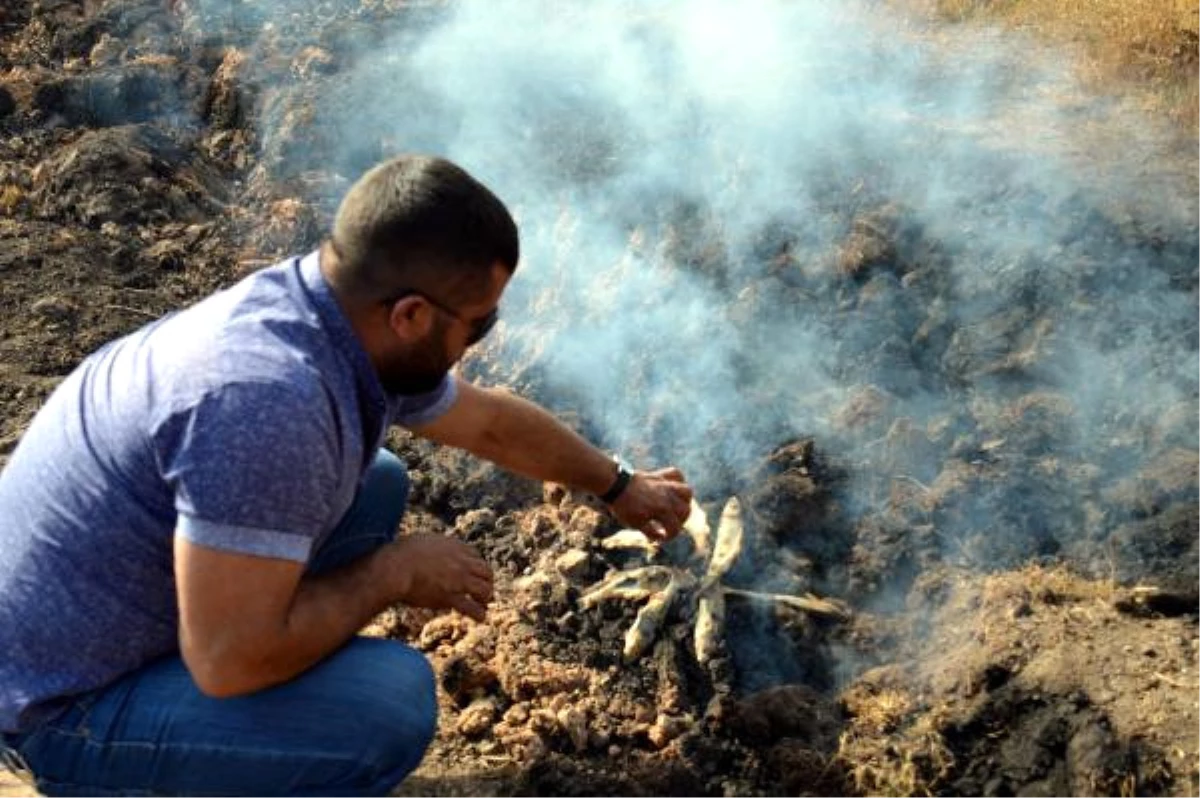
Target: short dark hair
416, 222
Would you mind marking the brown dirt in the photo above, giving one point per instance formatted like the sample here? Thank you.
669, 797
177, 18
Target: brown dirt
1024, 603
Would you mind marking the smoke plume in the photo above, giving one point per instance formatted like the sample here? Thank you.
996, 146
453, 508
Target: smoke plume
748, 223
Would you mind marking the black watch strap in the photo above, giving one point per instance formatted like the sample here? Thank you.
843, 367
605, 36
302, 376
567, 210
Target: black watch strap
624, 475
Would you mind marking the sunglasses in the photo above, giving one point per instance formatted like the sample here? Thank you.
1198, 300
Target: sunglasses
479, 328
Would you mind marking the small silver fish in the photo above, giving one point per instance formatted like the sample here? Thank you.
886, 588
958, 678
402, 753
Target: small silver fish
629, 539
729, 541
710, 622
649, 619
635, 584
697, 526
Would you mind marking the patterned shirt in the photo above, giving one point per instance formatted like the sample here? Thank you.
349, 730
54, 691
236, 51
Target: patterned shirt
244, 423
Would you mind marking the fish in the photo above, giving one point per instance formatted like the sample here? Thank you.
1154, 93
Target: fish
729, 542
830, 608
710, 622
696, 525
635, 584
629, 539
649, 619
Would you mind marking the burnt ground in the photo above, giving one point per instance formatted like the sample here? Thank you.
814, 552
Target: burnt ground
1024, 605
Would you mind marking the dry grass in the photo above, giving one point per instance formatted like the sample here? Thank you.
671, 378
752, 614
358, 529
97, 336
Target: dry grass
1144, 47
914, 762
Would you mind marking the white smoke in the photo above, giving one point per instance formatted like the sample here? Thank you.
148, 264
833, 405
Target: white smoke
685, 171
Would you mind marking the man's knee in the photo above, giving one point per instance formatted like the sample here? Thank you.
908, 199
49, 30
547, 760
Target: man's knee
396, 707
388, 477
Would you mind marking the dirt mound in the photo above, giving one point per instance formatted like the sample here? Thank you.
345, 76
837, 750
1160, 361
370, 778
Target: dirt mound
1029, 683
125, 175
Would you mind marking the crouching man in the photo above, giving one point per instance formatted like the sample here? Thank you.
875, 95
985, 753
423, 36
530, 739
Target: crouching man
201, 517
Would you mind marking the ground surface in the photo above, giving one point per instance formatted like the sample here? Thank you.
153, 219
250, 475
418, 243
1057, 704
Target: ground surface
1024, 605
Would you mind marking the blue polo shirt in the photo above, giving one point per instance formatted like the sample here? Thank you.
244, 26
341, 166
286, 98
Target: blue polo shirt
244, 423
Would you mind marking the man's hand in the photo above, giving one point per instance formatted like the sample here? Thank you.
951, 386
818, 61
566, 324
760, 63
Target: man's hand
438, 572
656, 502
248, 622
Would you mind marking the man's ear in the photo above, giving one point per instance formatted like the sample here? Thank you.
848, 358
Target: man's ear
410, 318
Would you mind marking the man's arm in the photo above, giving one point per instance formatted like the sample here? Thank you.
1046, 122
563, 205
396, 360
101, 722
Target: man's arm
249, 502
520, 436
248, 622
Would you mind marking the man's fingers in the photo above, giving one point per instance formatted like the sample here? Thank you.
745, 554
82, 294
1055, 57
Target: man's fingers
480, 569
673, 474
658, 530
653, 530
682, 506
468, 606
479, 589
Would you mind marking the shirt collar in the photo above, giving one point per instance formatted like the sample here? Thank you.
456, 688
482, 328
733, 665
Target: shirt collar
341, 333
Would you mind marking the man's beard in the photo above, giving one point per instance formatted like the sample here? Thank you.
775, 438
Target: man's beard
419, 370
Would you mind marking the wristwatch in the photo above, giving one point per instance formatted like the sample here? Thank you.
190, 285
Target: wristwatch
624, 475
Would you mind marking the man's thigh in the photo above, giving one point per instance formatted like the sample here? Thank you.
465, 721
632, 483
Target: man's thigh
355, 724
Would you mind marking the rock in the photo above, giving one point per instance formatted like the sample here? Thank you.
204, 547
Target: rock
666, 728
442, 629
583, 526
574, 721
517, 714
574, 564
477, 718
475, 524
538, 531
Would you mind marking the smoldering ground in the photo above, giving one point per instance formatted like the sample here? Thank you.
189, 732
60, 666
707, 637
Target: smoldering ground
741, 223
755, 225
748, 226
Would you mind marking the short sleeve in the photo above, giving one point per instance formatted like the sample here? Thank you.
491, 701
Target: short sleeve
252, 465
413, 411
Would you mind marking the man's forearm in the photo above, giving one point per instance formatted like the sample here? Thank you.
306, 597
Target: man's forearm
330, 608
528, 440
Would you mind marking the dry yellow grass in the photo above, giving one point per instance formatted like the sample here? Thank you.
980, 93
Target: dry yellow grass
10, 198
1143, 46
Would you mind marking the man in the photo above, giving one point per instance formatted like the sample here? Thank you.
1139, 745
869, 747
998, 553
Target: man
201, 517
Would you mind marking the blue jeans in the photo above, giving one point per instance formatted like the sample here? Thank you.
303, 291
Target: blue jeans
355, 724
